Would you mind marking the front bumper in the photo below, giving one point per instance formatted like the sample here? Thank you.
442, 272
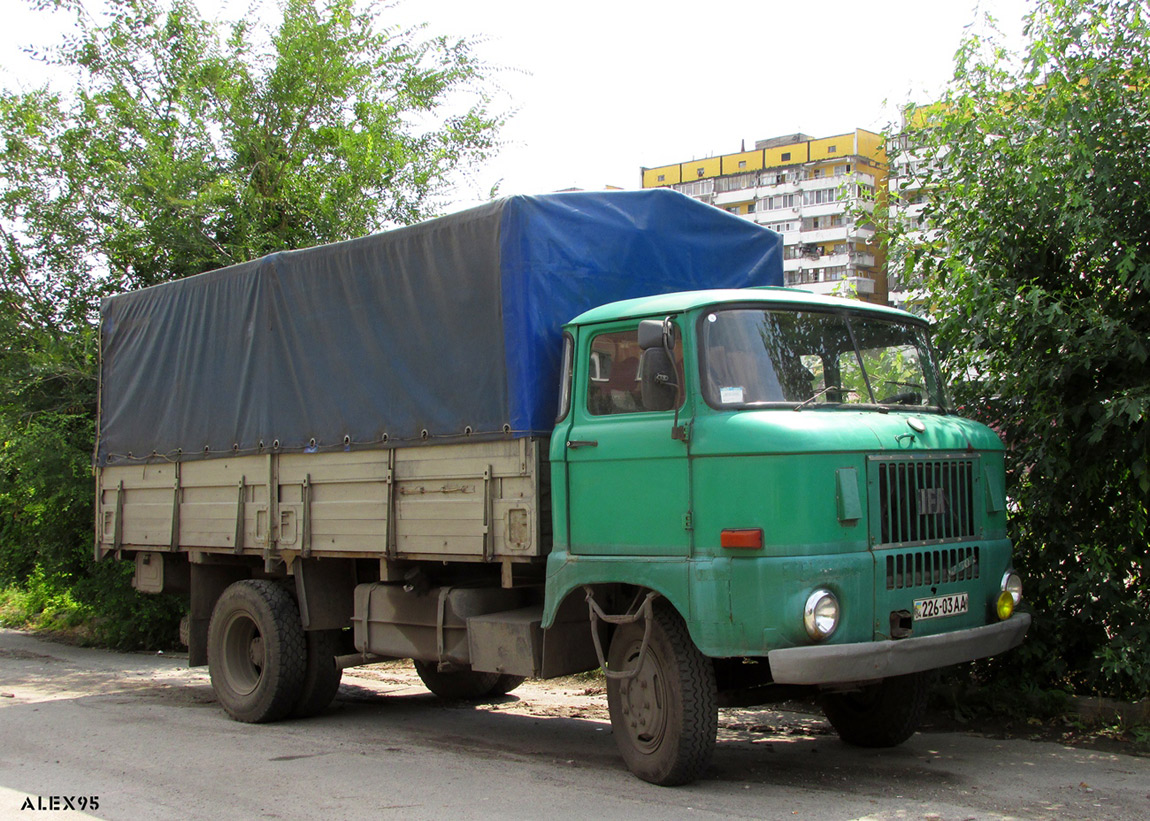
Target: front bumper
867, 661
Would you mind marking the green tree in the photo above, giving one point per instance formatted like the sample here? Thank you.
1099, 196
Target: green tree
182, 148
1036, 266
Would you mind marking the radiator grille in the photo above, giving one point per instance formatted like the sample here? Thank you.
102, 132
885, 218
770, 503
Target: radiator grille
926, 568
925, 500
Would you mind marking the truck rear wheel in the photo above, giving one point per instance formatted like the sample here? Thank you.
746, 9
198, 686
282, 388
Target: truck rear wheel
666, 716
505, 684
464, 685
256, 651
880, 715
321, 675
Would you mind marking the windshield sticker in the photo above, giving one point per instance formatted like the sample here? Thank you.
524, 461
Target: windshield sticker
731, 396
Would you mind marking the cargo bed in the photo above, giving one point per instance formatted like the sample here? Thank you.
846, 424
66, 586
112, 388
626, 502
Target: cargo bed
471, 502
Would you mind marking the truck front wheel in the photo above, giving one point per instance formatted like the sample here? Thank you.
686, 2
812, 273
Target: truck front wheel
880, 715
257, 653
664, 717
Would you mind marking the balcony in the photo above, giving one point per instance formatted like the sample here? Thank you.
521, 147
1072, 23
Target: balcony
734, 197
838, 232
839, 287
770, 189
854, 259
836, 180
820, 235
827, 209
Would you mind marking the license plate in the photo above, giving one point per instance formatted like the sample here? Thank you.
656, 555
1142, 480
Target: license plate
941, 606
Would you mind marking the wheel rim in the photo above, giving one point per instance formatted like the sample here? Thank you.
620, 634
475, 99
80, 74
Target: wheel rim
244, 654
643, 701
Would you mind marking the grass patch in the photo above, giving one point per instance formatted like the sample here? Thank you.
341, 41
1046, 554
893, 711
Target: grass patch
41, 604
101, 609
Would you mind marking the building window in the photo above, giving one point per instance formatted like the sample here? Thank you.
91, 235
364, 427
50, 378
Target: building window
701, 188
736, 182
821, 196
750, 208
780, 179
699, 171
662, 178
742, 163
786, 155
832, 149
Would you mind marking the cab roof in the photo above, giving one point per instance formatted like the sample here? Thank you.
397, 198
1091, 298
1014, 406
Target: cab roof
684, 301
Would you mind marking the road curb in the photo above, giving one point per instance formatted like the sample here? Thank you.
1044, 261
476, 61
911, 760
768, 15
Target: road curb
1107, 710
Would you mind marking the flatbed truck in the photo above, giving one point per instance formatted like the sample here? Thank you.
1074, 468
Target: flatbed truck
544, 436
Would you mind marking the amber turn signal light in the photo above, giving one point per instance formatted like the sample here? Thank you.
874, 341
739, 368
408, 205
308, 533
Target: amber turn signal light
749, 539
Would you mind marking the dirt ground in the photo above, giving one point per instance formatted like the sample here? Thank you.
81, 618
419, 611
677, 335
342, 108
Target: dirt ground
143, 734
584, 696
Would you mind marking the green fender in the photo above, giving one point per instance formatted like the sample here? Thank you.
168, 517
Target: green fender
566, 573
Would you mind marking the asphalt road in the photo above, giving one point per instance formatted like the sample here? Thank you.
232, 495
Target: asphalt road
141, 737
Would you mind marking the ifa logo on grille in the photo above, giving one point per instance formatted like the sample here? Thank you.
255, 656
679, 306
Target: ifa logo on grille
931, 501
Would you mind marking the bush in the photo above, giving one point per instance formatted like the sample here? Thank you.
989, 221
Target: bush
123, 618
40, 603
1037, 269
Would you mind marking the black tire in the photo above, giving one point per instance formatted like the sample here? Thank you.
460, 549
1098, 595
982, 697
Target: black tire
321, 676
665, 718
505, 684
880, 715
256, 651
458, 685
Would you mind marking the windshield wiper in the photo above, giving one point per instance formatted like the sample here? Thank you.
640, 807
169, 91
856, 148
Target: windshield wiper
825, 390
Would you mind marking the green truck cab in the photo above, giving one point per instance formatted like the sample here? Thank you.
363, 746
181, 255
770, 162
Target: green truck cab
785, 473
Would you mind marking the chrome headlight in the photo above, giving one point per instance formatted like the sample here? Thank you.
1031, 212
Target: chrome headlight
821, 614
1012, 584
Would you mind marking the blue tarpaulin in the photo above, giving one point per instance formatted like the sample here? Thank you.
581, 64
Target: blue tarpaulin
423, 333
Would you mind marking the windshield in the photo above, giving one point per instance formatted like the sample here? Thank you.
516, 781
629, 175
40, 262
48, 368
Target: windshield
753, 357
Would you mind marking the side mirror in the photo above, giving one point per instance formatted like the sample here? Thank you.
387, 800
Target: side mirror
658, 383
651, 334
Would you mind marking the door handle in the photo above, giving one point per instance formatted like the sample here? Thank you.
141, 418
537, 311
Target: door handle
582, 443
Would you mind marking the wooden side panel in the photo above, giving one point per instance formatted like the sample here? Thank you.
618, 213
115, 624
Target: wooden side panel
216, 495
135, 505
343, 497
472, 501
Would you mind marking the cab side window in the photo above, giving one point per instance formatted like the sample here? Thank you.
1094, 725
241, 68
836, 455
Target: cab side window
613, 374
613, 384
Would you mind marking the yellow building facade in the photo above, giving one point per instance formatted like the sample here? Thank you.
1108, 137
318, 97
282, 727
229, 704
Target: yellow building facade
820, 194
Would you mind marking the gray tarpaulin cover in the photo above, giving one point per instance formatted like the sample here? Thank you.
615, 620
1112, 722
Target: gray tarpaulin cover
443, 326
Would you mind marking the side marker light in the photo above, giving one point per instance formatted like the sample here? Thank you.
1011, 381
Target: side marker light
747, 539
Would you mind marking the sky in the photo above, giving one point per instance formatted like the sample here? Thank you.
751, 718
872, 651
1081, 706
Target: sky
602, 88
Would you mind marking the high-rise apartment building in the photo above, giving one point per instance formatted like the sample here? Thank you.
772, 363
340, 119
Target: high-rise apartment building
908, 168
820, 194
